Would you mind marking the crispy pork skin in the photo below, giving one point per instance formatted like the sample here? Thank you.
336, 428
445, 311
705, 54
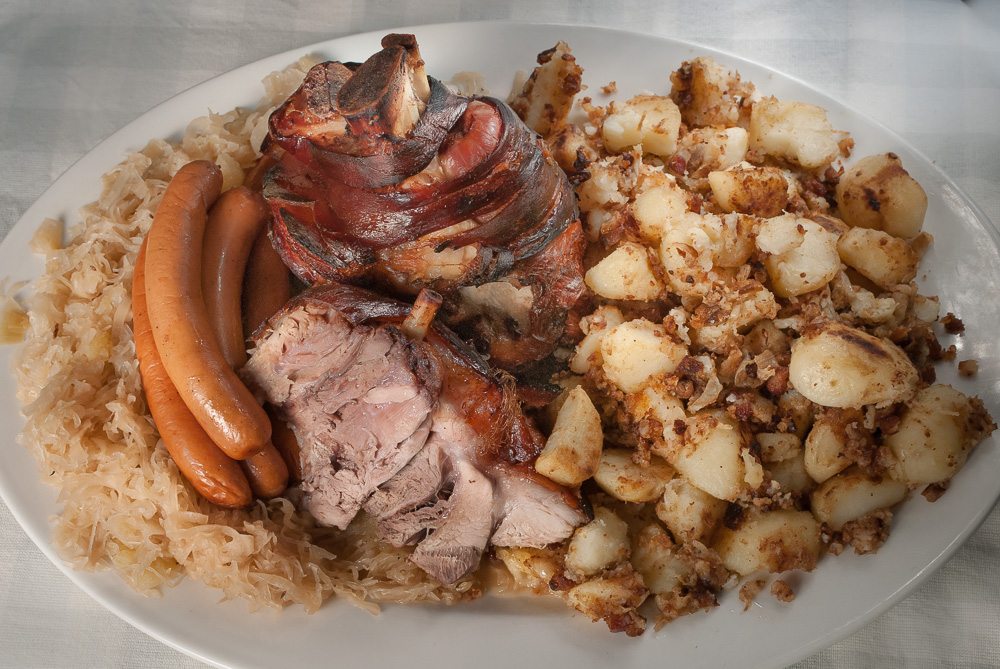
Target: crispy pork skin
420, 433
383, 176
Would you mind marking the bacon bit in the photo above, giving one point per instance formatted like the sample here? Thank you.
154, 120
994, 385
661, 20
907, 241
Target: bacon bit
677, 165
950, 353
777, 385
889, 424
846, 145
782, 591
680, 427
933, 492
610, 87
952, 324
968, 368
561, 583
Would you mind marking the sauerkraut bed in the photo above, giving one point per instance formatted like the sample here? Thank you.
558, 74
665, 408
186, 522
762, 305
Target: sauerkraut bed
124, 503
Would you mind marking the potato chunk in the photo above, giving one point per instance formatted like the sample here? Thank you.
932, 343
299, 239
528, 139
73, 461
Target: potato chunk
547, 96
709, 94
937, 432
531, 568
824, 450
886, 260
838, 366
636, 351
802, 254
596, 325
775, 541
601, 543
851, 495
791, 474
688, 512
710, 457
747, 189
659, 204
573, 450
794, 131
625, 274
651, 121
656, 559
628, 481
878, 193
706, 149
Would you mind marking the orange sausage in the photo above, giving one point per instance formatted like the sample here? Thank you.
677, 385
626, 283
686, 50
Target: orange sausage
234, 224
213, 474
267, 288
268, 285
284, 440
267, 472
222, 405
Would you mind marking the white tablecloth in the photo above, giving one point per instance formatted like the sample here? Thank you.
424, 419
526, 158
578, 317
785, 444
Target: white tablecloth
72, 73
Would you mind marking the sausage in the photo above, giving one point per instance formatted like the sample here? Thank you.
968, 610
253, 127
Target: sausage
267, 288
217, 477
234, 224
223, 406
267, 472
268, 285
284, 440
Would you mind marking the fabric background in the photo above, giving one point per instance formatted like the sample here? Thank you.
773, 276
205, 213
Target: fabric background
73, 72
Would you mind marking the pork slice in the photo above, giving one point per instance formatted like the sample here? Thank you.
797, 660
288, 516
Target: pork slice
414, 486
359, 398
441, 501
529, 513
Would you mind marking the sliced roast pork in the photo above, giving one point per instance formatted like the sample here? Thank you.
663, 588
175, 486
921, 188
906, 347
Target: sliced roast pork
418, 432
384, 176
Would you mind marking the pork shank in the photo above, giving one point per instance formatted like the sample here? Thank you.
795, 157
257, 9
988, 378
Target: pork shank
385, 177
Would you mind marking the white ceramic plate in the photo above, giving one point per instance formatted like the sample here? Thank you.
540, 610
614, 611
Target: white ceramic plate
844, 592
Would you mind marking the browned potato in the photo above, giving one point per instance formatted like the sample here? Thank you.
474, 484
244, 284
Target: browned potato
880, 257
747, 189
876, 192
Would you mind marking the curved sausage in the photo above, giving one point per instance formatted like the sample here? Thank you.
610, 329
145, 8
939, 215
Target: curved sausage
221, 404
234, 224
284, 440
213, 474
268, 285
267, 288
267, 472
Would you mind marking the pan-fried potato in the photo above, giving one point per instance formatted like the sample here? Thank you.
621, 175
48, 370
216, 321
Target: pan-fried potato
655, 558
936, 433
778, 446
851, 495
880, 257
659, 204
791, 474
627, 481
595, 326
838, 366
774, 541
625, 274
707, 149
794, 131
656, 403
710, 94
609, 596
878, 193
547, 96
824, 451
532, 568
688, 512
635, 351
710, 457
573, 450
651, 121
801, 254
601, 543
747, 189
